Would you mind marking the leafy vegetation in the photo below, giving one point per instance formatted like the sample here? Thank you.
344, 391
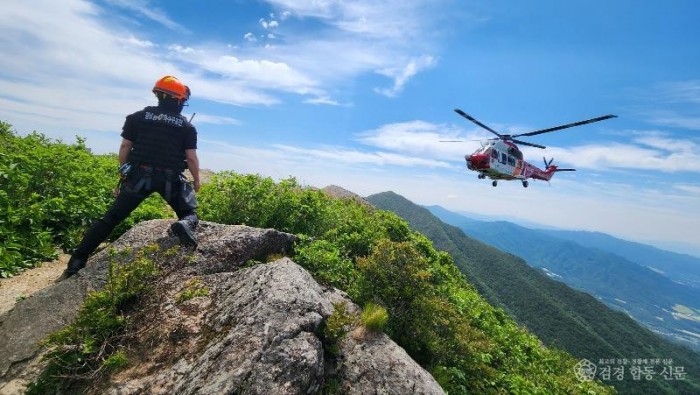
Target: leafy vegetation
92, 345
50, 192
193, 289
559, 315
434, 314
336, 327
374, 317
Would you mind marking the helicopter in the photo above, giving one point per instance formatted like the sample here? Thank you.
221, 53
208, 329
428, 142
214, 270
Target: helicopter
500, 159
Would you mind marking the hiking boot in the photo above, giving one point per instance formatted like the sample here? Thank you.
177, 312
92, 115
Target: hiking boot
183, 231
74, 265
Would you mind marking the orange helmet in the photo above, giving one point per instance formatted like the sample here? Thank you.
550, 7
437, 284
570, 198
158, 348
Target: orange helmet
171, 86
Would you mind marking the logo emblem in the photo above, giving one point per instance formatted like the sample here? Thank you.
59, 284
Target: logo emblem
585, 370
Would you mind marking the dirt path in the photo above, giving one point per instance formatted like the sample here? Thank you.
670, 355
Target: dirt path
26, 283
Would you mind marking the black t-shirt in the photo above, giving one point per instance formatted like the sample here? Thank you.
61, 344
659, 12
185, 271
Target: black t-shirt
160, 137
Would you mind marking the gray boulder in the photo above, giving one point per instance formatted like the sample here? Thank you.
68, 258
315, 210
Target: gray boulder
255, 330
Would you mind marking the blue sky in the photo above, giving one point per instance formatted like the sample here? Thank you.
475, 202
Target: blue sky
360, 93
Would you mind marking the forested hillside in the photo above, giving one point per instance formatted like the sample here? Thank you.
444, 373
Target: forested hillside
661, 304
558, 314
433, 312
681, 268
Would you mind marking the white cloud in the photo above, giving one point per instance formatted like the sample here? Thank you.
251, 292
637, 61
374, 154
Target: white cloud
673, 119
377, 19
401, 75
692, 189
268, 25
681, 91
131, 40
181, 50
250, 37
322, 100
387, 37
671, 104
258, 74
650, 152
213, 119
423, 138
53, 46
350, 156
147, 10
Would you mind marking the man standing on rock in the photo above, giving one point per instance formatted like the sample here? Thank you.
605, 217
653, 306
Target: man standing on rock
158, 144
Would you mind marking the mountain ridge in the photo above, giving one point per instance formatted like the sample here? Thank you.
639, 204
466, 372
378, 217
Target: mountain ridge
660, 303
682, 268
558, 314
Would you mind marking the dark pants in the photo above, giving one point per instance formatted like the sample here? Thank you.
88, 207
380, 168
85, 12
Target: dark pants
139, 184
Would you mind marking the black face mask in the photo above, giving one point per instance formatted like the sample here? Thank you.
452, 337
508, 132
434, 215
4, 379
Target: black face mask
171, 104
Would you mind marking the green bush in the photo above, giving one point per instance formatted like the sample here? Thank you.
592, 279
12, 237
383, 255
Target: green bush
433, 312
374, 317
92, 345
50, 192
336, 327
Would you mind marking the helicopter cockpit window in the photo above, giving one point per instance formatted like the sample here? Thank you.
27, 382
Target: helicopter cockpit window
503, 157
494, 154
511, 161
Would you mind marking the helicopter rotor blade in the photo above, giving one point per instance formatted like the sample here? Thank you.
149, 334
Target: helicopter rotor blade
568, 125
527, 143
469, 117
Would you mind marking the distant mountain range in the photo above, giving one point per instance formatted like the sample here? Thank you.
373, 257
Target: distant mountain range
681, 268
558, 314
657, 288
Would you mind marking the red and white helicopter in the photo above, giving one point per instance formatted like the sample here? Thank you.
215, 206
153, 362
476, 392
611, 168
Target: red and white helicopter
500, 159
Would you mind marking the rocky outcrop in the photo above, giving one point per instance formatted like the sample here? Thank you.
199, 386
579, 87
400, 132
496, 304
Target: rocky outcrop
255, 331
342, 193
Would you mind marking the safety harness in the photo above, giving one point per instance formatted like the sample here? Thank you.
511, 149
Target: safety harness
145, 180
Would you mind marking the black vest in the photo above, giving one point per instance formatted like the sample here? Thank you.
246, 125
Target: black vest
160, 138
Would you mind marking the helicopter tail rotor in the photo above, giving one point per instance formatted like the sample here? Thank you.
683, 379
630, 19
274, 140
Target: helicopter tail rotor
548, 166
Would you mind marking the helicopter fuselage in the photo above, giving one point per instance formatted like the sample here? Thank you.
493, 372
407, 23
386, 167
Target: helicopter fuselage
502, 160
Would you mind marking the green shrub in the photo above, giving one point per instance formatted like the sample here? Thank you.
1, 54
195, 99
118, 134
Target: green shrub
434, 314
193, 289
326, 261
336, 327
374, 317
50, 192
80, 352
